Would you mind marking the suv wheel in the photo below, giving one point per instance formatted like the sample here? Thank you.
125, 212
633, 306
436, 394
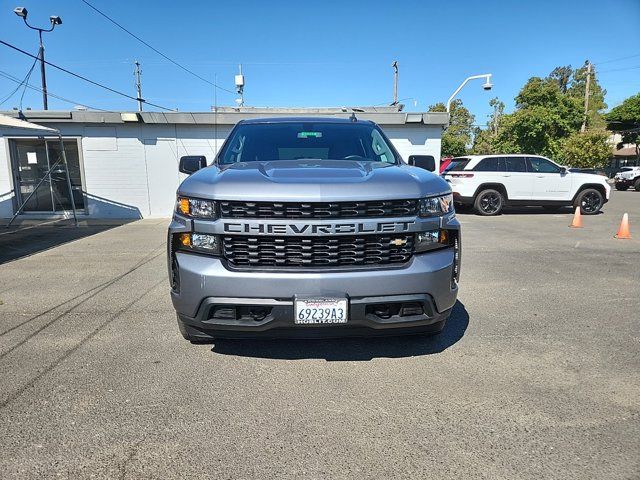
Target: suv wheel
636, 185
590, 201
489, 202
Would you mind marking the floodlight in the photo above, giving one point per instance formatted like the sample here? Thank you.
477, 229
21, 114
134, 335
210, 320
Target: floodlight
21, 12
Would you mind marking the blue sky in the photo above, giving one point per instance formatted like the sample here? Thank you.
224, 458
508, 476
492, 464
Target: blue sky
323, 53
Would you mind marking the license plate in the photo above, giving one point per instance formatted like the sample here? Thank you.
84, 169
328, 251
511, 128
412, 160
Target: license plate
310, 311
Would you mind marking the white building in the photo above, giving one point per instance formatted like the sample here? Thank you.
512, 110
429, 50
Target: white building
125, 165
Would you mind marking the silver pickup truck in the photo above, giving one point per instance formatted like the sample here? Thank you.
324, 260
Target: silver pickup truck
312, 227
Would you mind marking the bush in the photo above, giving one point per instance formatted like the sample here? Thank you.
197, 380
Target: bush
587, 150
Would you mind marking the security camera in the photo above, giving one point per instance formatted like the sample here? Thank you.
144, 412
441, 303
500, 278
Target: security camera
55, 20
487, 86
21, 12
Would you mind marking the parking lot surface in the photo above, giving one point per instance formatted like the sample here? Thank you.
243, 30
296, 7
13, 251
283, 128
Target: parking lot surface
536, 376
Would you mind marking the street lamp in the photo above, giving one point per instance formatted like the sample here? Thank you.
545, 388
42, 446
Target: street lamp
55, 20
487, 86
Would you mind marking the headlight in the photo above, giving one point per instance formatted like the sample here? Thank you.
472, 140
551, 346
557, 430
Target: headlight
197, 242
436, 206
435, 239
196, 208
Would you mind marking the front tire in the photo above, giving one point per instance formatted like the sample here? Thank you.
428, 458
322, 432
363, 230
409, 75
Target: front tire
590, 201
636, 185
489, 202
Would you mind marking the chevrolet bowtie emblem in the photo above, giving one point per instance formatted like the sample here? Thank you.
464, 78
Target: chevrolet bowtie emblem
398, 242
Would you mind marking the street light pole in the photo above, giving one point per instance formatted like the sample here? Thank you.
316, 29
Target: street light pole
43, 76
55, 20
487, 86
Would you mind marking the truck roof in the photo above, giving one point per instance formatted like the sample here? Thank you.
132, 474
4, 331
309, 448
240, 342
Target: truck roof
301, 119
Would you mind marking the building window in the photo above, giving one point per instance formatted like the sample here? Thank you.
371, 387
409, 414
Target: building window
30, 163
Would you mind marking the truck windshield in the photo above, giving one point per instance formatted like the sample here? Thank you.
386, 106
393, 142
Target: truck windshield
259, 142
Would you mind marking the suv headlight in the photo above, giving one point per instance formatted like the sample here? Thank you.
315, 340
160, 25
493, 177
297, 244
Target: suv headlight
436, 206
197, 208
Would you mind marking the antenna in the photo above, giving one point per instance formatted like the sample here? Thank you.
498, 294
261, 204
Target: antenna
240, 86
395, 82
137, 74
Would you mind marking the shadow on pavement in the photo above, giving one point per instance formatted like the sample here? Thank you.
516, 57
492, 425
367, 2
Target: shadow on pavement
26, 238
351, 349
527, 211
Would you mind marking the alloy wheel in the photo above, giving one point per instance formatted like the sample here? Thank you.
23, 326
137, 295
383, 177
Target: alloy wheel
591, 202
490, 202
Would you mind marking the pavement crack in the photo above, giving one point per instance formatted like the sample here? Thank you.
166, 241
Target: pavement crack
132, 451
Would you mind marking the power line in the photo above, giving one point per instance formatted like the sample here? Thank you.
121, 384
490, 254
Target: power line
20, 83
620, 69
618, 59
155, 49
26, 82
388, 103
33, 87
84, 78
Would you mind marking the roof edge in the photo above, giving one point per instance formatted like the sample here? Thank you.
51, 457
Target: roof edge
224, 118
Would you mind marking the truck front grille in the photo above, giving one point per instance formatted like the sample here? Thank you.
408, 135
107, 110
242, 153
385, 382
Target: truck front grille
334, 251
368, 209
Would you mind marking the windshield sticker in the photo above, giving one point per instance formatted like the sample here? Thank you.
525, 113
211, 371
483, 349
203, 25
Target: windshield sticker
309, 134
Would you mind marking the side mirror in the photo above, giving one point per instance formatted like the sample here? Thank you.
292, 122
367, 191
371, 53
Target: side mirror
192, 163
426, 162
563, 170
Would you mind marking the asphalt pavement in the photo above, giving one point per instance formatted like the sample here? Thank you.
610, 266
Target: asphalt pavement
536, 376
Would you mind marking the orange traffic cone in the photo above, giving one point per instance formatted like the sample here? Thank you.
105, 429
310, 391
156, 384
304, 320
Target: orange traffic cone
624, 231
577, 219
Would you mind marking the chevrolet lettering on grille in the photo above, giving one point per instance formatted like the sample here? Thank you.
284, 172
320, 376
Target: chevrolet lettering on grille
261, 228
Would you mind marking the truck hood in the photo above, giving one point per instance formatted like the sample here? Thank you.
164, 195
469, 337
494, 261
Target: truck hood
313, 181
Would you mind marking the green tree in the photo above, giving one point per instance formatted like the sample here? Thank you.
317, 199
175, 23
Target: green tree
549, 112
458, 135
498, 112
625, 119
545, 93
534, 129
597, 104
562, 76
484, 141
587, 150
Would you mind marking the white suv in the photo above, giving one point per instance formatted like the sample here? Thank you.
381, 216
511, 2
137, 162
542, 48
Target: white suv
489, 182
628, 177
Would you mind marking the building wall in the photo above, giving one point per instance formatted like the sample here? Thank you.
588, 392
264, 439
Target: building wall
131, 170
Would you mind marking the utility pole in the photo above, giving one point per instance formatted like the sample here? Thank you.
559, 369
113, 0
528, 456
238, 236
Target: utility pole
395, 82
240, 87
137, 74
586, 98
494, 120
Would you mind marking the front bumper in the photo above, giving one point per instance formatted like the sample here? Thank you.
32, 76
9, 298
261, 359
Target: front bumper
462, 200
206, 283
623, 182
